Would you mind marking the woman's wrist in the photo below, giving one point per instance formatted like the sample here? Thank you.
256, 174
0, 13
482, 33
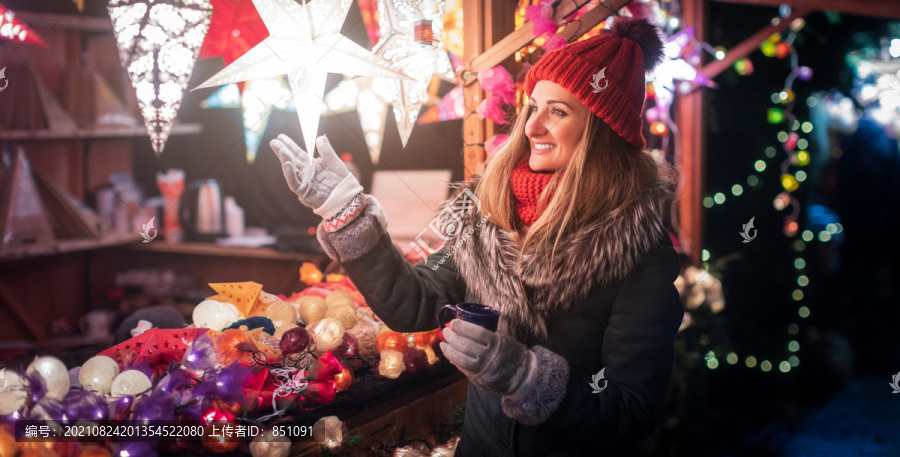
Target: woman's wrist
346, 215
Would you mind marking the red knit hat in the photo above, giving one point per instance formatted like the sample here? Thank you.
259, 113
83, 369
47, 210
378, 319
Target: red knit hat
606, 72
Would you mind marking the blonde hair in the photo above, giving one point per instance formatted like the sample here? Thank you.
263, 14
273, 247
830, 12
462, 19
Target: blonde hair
604, 176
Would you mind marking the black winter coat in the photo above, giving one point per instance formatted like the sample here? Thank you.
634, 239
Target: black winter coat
607, 303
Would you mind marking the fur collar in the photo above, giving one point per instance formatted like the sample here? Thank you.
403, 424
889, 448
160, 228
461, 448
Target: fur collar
602, 252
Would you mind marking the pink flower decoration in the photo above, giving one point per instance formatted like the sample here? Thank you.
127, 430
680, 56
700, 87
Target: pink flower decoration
497, 81
494, 142
554, 42
542, 18
492, 109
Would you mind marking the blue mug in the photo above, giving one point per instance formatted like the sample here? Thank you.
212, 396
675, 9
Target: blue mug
476, 313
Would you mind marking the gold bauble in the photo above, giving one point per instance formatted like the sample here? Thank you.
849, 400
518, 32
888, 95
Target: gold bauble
391, 364
281, 313
339, 297
97, 374
344, 313
311, 309
54, 374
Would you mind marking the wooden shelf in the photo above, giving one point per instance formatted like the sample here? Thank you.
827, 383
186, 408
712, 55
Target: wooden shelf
68, 246
207, 249
66, 21
95, 133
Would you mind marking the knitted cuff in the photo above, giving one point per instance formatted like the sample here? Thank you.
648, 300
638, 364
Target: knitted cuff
358, 237
340, 197
341, 219
542, 391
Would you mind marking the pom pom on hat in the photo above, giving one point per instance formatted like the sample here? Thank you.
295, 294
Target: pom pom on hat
606, 73
645, 34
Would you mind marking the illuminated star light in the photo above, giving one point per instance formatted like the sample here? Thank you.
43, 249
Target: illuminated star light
158, 45
305, 44
370, 97
260, 97
398, 46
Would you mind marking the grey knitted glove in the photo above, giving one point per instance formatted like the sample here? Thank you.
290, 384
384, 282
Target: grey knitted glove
491, 361
325, 185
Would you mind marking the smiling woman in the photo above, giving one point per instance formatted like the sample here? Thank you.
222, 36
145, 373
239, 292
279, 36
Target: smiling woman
565, 239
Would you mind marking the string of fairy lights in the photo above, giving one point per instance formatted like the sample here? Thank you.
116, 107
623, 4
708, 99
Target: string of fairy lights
796, 157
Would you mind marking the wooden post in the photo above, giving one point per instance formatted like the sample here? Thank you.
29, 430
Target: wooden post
689, 118
484, 23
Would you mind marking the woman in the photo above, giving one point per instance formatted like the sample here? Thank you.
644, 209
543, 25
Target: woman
568, 244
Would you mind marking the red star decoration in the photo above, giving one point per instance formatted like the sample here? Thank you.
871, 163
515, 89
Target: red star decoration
236, 27
16, 30
137, 345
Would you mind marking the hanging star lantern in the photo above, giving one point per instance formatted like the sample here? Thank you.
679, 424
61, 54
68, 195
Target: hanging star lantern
305, 44
16, 30
236, 28
259, 98
370, 97
158, 45
411, 39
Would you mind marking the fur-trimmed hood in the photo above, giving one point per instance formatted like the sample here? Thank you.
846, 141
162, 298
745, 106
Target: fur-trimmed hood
596, 255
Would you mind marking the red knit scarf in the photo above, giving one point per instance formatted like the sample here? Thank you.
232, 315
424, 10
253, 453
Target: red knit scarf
527, 186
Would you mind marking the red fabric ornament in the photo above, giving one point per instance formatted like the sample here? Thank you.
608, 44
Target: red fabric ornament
415, 359
294, 340
320, 392
348, 348
15, 30
324, 368
491, 109
235, 28
158, 347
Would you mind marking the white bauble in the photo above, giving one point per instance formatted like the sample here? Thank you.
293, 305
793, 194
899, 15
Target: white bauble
215, 315
269, 445
130, 382
54, 373
12, 397
328, 334
98, 373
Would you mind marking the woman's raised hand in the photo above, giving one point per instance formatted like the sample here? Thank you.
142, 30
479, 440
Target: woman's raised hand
322, 183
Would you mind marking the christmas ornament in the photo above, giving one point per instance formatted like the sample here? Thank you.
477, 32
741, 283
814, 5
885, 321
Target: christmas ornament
97, 374
16, 30
257, 102
270, 444
339, 297
214, 315
234, 29
158, 44
294, 340
130, 383
344, 313
370, 98
13, 396
309, 273
328, 431
391, 340
391, 364
242, 295
54, 375
282, 313
398, 19
311, 309
343, 380
305, 44
327, 334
